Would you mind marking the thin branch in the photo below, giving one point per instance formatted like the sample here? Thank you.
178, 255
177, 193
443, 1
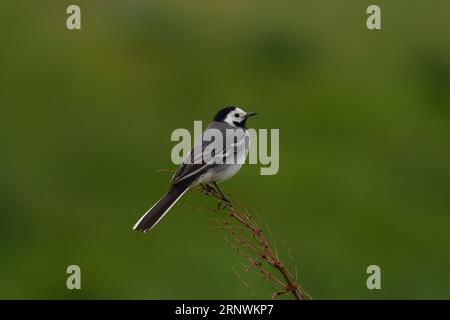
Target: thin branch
243, 233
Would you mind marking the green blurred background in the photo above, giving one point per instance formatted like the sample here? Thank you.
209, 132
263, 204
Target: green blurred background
86, 118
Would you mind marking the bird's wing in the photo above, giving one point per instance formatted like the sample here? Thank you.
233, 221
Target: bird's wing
195, 164
204, 156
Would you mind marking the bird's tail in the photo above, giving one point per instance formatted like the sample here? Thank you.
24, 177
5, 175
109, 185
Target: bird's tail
158, 211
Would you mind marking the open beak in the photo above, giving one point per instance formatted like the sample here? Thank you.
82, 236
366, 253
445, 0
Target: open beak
250, 114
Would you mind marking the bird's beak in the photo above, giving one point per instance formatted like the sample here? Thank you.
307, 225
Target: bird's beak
250, 114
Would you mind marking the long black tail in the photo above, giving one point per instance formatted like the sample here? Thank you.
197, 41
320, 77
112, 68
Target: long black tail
157, 212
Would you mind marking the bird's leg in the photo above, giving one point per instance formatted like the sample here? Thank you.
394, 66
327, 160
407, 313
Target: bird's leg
210, 188
207, 188
221, 193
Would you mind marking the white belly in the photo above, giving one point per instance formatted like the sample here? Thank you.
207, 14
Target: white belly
219, 173
229, 171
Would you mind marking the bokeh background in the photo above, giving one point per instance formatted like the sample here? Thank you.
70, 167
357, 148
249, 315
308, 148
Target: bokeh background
86, 118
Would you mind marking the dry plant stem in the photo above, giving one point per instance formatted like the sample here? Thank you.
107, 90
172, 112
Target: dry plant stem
269, 256
258, 248
254, 248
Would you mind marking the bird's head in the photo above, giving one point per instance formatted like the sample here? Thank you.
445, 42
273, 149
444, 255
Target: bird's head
233, 116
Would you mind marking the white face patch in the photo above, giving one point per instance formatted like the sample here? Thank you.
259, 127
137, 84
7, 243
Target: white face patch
236, 115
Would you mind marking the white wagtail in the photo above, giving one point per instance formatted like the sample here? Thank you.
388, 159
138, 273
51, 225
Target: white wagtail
211, 160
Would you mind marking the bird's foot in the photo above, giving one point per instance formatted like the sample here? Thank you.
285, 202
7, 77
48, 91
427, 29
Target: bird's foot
223, 203
206, 188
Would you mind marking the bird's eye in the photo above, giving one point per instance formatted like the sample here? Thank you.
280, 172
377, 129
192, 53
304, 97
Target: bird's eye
236, 115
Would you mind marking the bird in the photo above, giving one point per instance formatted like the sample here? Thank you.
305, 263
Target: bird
209, 162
